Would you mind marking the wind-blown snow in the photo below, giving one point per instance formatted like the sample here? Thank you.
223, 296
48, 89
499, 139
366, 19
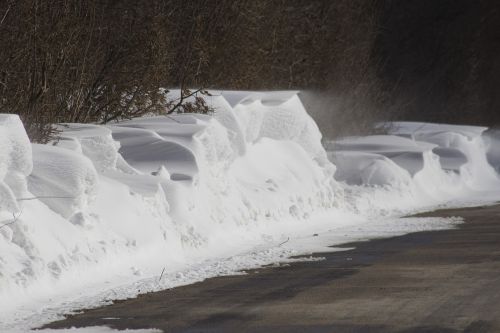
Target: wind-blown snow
106, 209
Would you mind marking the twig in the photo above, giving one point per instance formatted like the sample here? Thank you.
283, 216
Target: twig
169, 117
161, 275
25, 199
12, 221
5, 15
182, 98
285, 241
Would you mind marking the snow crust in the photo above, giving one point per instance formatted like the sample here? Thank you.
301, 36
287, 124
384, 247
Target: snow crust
107, 212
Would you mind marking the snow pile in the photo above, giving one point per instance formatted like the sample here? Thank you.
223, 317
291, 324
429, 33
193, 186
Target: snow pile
460, 148
415, 165
212, 169
120, 203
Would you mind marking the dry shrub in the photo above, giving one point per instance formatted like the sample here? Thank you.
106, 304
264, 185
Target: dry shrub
105, 60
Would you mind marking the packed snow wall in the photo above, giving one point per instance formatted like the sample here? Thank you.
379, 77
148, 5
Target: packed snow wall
109, 202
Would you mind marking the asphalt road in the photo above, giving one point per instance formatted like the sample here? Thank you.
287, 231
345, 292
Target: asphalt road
438, 281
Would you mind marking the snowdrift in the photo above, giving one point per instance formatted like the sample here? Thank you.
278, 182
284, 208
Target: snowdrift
122, 202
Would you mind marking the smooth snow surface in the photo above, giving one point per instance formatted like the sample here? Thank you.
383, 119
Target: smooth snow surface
105, 211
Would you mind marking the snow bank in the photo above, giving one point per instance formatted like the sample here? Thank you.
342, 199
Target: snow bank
460, 148
416, 165
109, 205
226, 173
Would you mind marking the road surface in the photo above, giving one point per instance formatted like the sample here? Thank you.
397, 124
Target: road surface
438, 281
